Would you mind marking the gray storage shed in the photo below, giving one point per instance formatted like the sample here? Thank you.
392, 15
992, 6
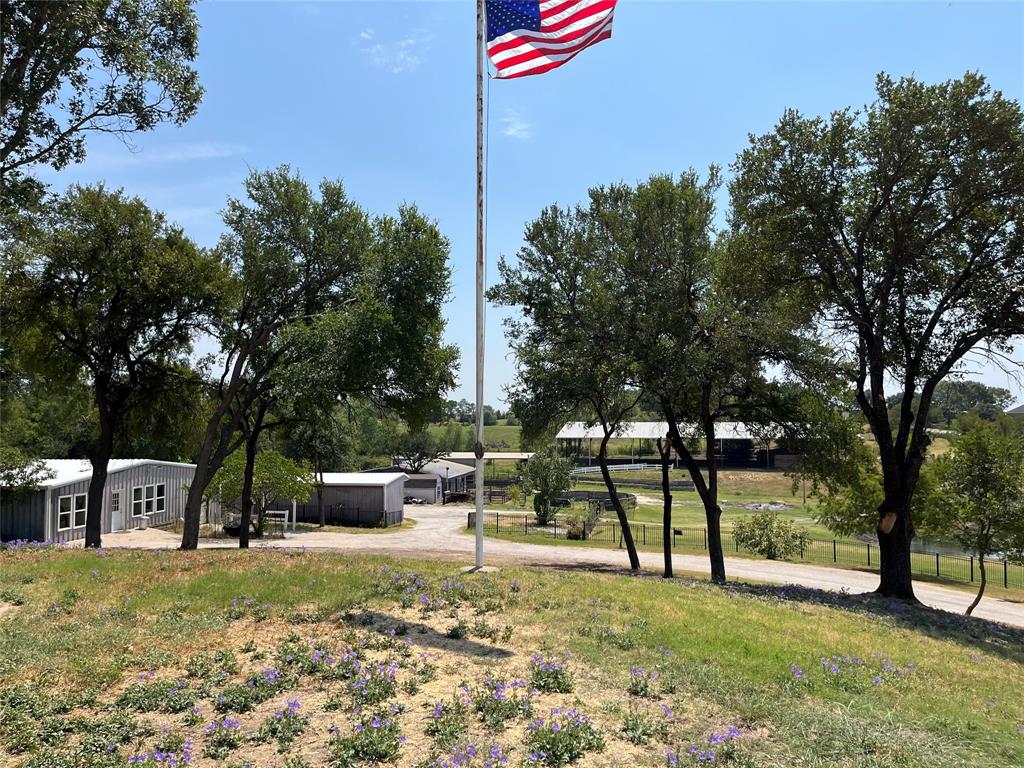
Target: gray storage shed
356, 498
138, 492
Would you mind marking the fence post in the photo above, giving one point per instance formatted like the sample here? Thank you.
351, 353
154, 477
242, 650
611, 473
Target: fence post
835, 555
936, 565
705, 538
1006, 573
555, 521
972, 569
869, 554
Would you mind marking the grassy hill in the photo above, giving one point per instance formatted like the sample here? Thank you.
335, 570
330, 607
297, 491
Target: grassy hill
298, 660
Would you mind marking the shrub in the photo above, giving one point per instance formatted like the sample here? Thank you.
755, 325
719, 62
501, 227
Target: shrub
642, 683
550, 675
213, 667
283, 727
580, 521
563, 738
163, 696
258, 687
640, 728
222, 738
375, 739
498, 701
769, 535
447, 722
543, 512
375, 683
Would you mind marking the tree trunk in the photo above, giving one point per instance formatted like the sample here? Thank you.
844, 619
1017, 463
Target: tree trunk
627, 534
895, 534
666, 493
708, 492
250, 465
99, 459
981, 589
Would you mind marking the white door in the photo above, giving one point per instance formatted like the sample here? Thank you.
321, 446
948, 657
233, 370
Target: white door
116, 511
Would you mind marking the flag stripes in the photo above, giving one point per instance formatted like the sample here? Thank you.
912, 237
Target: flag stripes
530, 38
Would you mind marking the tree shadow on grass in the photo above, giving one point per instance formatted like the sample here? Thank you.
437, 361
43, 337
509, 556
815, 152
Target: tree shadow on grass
420, 634
975, 634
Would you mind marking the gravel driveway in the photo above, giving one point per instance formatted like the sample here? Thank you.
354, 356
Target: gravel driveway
439, 534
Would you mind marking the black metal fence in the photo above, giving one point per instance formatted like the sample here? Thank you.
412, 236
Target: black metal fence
960, 568
338, 514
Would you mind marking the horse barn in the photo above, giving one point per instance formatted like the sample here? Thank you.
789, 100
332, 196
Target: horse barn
737, 445
138, 493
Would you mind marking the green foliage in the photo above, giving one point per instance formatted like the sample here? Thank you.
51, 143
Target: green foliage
976, 494
162, 696
448, 723
499, 700
563, 738
640, 728
376, 740
116, 67
897, 225
580, 520
275, 478
546, 475
18, 473
769, 535
551, 675
414, 450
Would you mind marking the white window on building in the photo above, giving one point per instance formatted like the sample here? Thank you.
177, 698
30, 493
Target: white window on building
63, 513
71, 511
80, 504
148, 499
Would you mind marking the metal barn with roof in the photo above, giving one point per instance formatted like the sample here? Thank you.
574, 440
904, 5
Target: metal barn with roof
138, 493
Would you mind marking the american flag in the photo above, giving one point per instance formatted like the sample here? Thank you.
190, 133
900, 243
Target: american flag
527, 38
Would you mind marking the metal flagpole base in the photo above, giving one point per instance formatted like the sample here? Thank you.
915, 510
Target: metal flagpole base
480, 569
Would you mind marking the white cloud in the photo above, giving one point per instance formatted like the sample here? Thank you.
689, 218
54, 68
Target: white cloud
515, 127
395, 56
167, 153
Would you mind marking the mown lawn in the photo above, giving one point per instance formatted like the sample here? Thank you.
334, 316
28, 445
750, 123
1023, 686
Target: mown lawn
292, 660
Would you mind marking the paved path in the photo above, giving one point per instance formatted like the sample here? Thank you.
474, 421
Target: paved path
439, 534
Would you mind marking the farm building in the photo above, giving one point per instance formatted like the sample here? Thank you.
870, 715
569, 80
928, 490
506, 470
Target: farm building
138, 493
736, 444
434, 481
358, 498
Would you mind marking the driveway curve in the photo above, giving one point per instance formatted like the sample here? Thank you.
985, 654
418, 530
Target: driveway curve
440, 534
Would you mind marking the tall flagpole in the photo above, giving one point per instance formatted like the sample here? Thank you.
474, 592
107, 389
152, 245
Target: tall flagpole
479, 447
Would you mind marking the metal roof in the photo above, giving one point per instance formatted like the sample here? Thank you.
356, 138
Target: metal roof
356, 479
1018, 411
652, 430
449, 469
67, 471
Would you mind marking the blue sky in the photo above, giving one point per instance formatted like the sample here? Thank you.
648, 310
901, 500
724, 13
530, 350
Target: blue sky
381, 95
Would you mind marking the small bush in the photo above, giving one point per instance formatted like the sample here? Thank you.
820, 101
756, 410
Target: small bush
164, 696
376, 739
498, 701
563, 738
222, 738
642, 683
375, 683
769, 535
447, 723
551, 674
639, 728
283, 726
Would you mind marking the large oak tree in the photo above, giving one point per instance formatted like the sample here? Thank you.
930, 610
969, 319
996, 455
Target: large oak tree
906, 219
